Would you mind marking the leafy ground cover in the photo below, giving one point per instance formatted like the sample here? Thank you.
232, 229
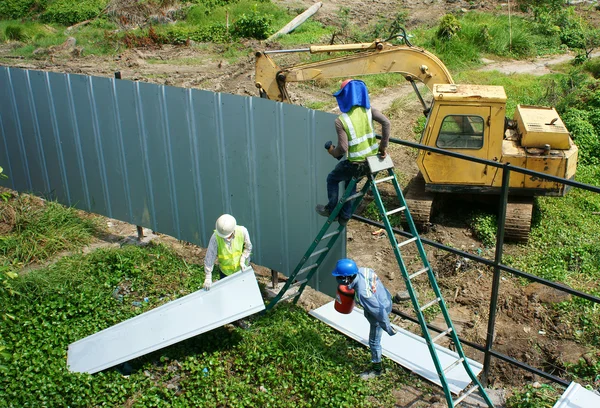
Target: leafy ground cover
285, 359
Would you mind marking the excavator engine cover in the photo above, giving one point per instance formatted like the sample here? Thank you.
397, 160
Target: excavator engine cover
540, 126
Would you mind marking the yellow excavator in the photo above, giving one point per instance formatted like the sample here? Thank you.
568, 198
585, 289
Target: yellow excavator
467, 119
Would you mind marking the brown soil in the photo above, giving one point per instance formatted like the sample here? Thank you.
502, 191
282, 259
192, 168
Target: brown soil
526, 326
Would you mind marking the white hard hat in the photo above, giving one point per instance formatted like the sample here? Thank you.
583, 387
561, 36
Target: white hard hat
225, 225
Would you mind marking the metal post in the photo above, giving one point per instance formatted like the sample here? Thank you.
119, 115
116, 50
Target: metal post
496, 280
140, 230
274, 278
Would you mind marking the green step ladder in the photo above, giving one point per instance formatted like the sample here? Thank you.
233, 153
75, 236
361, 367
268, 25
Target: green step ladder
314, 256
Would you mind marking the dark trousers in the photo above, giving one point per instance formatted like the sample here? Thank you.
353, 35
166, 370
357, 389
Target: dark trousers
344, 171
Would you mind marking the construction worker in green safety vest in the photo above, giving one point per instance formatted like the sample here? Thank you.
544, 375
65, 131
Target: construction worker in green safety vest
230, 244
356, 136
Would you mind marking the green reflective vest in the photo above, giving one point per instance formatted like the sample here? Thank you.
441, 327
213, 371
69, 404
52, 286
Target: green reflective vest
229, 258
358, 124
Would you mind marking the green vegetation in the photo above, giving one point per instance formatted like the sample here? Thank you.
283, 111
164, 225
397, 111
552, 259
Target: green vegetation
285, 359
41, 230
485, 226
543, 397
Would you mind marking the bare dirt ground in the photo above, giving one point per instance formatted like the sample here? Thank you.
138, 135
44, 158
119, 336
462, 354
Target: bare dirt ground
526, 329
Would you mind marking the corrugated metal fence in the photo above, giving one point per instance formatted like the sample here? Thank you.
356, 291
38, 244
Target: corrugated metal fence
171, 159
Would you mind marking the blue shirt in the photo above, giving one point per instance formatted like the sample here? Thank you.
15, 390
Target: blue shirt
374, 298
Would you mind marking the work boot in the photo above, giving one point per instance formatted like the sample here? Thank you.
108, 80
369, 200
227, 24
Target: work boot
324, 211
343, 221
375, 371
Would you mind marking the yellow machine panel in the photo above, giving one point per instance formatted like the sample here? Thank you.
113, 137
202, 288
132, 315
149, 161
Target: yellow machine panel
539, 126
468, 93
559, 163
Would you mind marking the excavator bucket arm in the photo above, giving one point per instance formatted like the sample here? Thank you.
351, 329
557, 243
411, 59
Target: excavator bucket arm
413, 63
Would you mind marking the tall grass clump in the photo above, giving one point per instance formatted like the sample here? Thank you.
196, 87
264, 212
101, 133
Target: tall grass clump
42, 230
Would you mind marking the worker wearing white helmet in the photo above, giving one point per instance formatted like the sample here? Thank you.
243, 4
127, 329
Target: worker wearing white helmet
230, 243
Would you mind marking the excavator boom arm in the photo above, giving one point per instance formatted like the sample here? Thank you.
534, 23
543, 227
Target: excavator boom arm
375, 58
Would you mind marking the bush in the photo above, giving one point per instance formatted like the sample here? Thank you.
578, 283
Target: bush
15, 33
449, 26
181, 34
252, 25
67, 12
12, 9
584, 134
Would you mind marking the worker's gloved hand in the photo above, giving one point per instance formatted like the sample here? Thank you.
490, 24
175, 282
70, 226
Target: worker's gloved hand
207, 284
243, 264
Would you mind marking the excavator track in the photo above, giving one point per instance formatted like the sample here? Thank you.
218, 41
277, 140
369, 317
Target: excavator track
419, 203
518, 219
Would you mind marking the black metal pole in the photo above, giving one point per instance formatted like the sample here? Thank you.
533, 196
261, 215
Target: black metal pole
497, 271
139, 229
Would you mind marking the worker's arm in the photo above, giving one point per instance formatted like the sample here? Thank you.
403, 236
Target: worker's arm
342, 145
385, 129
247, 248
209, 261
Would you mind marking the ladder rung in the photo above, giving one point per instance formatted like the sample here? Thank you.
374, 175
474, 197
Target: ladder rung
442, 334
465, 395
451, 366
293, 295
331, 234
320, 251
353, 196
433, 302
395, 211
408, 241
308, 268
382, 180
294, 285
414, 275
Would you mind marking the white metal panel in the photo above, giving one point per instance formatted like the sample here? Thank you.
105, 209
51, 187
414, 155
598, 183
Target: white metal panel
229, 299
575, 396
405, 348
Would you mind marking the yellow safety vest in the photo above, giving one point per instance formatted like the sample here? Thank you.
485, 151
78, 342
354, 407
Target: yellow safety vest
358, 124
229, 258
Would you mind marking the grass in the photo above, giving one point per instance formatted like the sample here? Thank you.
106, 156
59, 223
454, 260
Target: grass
42, 231
485, 34
286, 358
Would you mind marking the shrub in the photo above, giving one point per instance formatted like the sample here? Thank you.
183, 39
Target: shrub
11, 9
584, 134
15, 33
449, 26
252, 25
67, 12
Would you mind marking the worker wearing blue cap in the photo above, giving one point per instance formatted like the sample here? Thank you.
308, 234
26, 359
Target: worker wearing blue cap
356, 136
376, 302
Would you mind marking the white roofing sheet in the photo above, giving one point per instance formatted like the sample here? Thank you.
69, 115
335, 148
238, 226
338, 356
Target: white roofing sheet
405, 348
575, 396
228, 300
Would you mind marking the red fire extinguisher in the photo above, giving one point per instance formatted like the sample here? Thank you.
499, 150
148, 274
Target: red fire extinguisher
344, 299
